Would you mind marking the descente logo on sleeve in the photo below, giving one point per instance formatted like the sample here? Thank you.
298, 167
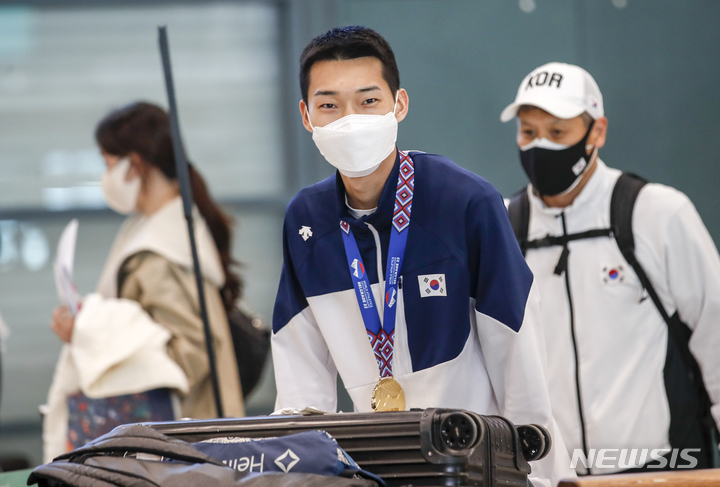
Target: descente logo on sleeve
432, 285
305, 232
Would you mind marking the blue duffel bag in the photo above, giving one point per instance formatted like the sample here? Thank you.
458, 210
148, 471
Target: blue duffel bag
308, 452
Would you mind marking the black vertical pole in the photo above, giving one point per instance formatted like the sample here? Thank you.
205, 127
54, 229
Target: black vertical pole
183, 176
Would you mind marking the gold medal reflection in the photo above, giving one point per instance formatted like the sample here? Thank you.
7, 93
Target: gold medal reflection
388, 395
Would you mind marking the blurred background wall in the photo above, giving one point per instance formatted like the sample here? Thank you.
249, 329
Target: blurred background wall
64, 64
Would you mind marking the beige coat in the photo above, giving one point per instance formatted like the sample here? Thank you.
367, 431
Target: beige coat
149, 265
168, 293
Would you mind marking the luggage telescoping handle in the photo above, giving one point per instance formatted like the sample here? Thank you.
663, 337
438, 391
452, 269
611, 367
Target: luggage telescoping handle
183, 177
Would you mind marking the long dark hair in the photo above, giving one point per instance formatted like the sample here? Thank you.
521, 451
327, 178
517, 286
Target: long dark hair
144, 128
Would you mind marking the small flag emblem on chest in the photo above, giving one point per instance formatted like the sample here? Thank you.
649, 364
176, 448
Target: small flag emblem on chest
432, 285
613, 274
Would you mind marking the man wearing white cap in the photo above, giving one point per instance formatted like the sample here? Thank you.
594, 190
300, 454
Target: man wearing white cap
630, 286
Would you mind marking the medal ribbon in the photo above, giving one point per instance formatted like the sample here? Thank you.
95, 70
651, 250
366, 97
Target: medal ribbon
382, 336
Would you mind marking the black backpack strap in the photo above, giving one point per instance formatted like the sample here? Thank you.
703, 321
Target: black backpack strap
519, 214
627, 188
622, 204
140, 438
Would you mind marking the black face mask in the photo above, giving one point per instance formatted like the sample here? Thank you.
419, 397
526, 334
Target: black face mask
552, 172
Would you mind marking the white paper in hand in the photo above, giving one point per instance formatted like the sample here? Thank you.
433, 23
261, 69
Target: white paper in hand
63, 267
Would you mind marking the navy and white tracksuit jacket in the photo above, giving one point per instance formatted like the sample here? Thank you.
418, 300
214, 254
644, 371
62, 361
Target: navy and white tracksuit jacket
480, 347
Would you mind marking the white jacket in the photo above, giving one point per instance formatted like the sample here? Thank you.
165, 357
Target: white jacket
620, 336
116, 347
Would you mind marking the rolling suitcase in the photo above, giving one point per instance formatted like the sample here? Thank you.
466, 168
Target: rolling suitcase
430, 447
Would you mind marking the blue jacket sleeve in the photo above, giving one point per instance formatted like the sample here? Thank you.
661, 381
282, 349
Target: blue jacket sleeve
503, 278
290, 298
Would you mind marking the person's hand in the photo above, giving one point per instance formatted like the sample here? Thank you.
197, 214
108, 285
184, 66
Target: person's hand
62, 323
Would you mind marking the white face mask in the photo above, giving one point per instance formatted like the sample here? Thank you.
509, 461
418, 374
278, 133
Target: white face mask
543, 144
356, 144
121, 195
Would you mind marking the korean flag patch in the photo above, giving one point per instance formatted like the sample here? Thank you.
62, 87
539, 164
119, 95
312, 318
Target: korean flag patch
432, 285
613, 274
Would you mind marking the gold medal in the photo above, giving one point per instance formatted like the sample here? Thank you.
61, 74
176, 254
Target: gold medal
388, 395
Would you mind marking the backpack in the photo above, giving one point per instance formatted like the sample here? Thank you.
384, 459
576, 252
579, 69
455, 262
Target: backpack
251, 342
682, 372
139, 456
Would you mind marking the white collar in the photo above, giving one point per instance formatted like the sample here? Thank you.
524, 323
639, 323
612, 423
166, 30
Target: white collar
165, 233
590, 209
355, 213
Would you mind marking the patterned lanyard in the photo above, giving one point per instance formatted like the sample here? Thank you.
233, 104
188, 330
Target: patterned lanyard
382, 336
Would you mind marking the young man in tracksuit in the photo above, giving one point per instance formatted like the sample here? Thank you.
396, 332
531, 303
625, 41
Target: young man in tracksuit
401, 271
613, 368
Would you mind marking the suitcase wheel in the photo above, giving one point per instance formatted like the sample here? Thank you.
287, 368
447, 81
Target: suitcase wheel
458, 431
535, 441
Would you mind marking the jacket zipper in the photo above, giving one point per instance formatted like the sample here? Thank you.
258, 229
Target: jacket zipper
563, 267
378, 252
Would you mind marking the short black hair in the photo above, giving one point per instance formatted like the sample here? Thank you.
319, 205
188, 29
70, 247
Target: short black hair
344, 43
